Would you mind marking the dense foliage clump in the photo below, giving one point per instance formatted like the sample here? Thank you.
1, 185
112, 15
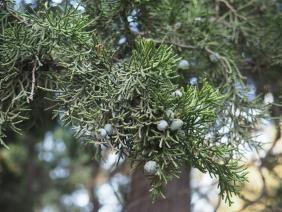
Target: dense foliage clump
120, 79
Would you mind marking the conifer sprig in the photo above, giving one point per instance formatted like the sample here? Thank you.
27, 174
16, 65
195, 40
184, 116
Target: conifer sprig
134, 97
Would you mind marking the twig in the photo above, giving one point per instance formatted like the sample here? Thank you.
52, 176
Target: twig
174, 44
120, 200
232, 9
14, 14
30, 97
217, 204
263, 192
228, 5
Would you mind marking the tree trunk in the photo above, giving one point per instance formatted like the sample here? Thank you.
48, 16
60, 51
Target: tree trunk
178, 195
93, 198
30, 173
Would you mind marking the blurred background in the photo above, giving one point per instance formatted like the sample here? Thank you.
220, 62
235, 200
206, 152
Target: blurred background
46, 169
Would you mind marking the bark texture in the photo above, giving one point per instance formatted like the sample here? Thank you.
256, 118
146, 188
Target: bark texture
178, 195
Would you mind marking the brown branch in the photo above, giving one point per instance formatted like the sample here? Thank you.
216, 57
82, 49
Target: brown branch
262, 194
30, 97
232, 9
15, 15
217, 204
174, 44
228, 5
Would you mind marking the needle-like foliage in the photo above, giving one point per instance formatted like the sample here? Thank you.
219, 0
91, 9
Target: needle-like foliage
134, 97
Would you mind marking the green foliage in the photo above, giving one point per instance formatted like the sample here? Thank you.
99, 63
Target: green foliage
28, 49
69, 62
198, 31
